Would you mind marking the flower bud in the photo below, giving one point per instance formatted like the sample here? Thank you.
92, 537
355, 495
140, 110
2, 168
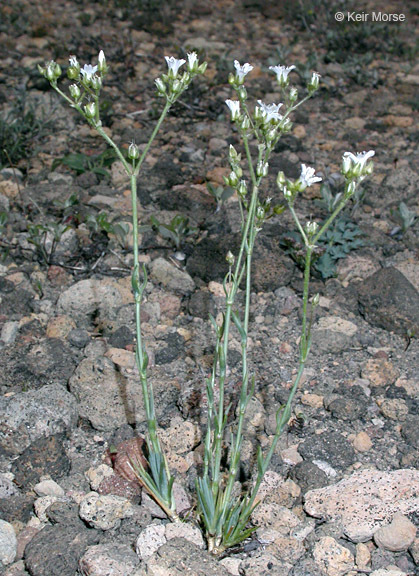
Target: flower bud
202, 67
133, 151
315, 300
311, 228
313, 85
96, 83
288, 195
192, 62
232, 152
233, 179
101, 63
260, 213
90, 110
262, 169
160, 85
230, 258
245, 124
346, 165
231, 79
242, 188
242, 93
176, 86
53, 71
75, 92
280, 179
293, 94
350, 189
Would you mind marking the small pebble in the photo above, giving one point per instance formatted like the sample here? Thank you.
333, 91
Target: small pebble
396, 536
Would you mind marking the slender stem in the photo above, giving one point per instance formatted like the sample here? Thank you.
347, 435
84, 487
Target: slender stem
153, 135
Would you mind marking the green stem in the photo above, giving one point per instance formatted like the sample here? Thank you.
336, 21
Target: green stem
151, 139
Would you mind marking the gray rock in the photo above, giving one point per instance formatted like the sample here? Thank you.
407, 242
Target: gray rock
106, 398
87, 297
308, 476
387, 299
410, 431
178, 556
56, 550
366, 500
7, 487
9, 332
104, 512
45, 456
31, 415
8, 543
16, 569
16, 508
105, 559
202, 305
150, 540
333, 334
163, 272
332, 557
264, 563
329, 447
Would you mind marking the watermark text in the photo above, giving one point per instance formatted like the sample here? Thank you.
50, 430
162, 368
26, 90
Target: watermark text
370, 17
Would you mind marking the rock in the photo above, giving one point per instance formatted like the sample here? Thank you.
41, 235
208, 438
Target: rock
7, 487
163, 272
105, 559
388, 300
362, 442
86, 298
78, 337
181, 436
274, 489
17, 508
180, 555
104, 512
201, 305
20, 422
333, 334
45, 456
264, 563
394, 408
9, 332
106, 398
396, 536
363, 556
379, 372
174, 349
276, 517
365, 500
329, 447
16, 569
334, 559
56, 550
49, 488
121, 457
308, 476
40, 506
410, 431
149, 540
8, 543
385, 572
185, 530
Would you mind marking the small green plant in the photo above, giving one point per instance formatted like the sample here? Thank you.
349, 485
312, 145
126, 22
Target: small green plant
100, 223
4, 218
45, 238
405, 216
20, 129
220, 194
224, 514
81, 163
176, 231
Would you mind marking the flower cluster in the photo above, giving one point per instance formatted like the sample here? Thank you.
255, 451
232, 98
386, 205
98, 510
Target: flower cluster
172, 84
290, 189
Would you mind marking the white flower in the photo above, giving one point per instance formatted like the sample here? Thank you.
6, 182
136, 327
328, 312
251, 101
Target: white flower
270, 111
241, 71
192, 61
307, 177
74, 62
88, 70
174, 65
360, 159
282, 72
314, 82
234, 106
101, 58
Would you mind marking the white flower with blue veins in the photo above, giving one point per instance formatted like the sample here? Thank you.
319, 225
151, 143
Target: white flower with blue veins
174, 64
88, 71
307, 177
270, 111
241, 71
282, 72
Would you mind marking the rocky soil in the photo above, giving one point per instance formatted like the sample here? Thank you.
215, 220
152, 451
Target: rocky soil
341, 497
